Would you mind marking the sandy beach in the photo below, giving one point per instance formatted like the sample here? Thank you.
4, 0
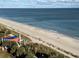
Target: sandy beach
57, 39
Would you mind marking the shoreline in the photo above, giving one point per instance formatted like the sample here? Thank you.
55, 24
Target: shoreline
64, 42
51, 30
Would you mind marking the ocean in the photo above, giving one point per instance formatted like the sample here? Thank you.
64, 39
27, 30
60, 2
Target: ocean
62, 20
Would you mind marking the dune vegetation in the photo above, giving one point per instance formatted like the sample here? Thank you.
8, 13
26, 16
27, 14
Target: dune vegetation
31, 50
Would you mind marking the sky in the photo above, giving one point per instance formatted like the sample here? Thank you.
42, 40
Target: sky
39, 3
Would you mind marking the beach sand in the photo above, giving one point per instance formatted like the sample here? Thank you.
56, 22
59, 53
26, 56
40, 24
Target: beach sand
57, 39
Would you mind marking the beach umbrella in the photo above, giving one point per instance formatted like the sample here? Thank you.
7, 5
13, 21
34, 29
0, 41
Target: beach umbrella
14, 40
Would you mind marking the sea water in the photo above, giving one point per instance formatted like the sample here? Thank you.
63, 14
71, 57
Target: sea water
63, 20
